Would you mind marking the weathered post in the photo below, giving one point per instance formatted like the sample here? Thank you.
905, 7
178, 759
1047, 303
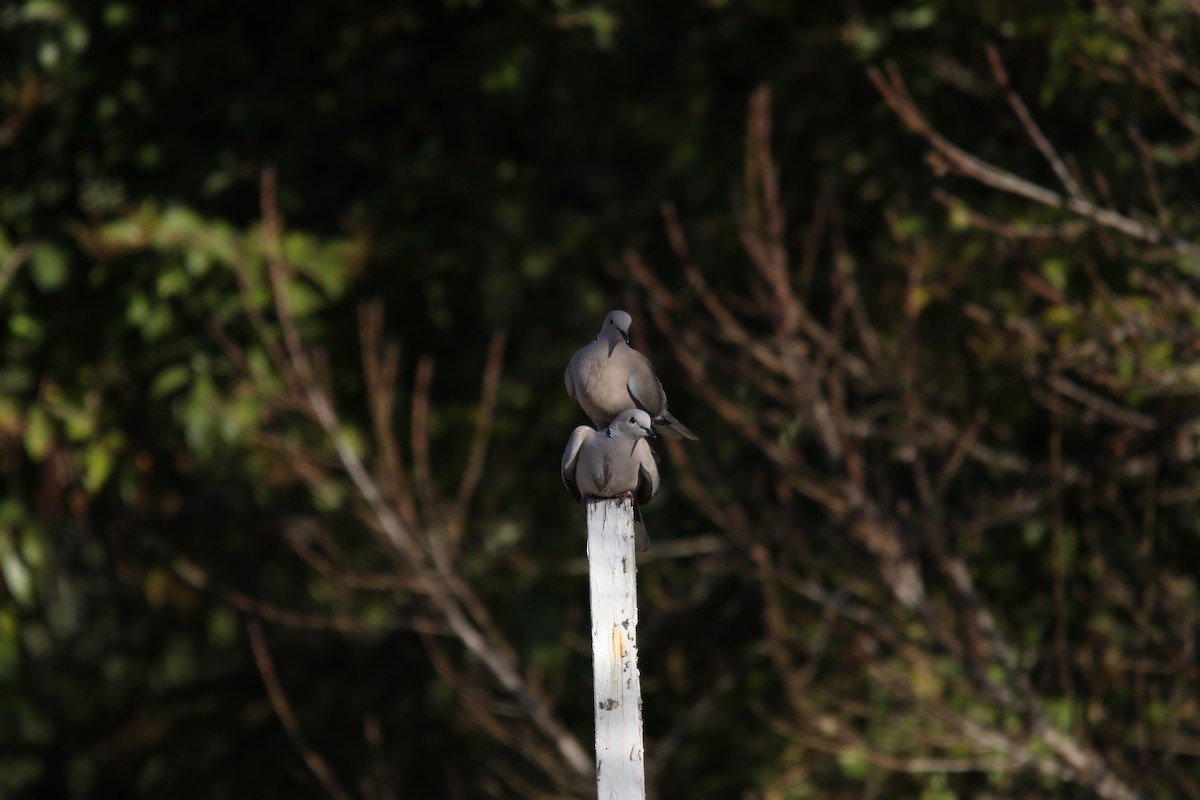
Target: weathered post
620, 759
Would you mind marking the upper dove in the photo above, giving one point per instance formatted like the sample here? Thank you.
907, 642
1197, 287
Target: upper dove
608, 376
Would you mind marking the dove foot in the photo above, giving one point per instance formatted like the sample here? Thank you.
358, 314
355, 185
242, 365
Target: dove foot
583, 501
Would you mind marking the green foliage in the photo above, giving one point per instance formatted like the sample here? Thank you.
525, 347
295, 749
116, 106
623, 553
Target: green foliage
483, 167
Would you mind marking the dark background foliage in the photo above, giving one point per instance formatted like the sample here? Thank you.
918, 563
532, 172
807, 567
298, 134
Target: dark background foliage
172, 509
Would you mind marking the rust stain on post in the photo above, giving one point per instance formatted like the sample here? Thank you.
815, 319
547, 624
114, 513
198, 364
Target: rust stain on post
618, 643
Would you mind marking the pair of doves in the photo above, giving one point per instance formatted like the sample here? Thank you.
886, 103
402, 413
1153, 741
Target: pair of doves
617, 388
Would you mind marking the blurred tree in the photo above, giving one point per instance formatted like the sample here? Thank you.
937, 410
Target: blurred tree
280, 281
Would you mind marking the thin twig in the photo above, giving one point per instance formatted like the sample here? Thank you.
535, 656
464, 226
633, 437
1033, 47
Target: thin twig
380, 367
488, 393
8, 268
422, 471
373, 735
1031, 127
1065, 230
283, 709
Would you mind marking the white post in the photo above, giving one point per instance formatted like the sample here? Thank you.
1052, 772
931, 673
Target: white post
620, 758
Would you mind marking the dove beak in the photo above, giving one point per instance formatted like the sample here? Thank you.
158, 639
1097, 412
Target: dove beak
650, 434
612, 345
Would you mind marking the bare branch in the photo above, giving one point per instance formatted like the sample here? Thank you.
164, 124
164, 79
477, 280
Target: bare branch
763, 223
464, 613
28, 97
891, 87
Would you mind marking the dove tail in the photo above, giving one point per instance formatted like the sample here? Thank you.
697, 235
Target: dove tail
672, 428
641, 539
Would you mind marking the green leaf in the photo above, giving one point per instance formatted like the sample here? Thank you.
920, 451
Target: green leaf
916, 19
117, 14
43, 11
178, 226
238, 416
33, 545
1061, 710
123, 233
10, 643
198, 415
1034, 532
39, 433
11, 512
1160, 355
172, 282
223, 627
911, 225
98, 461
1061, 315
48, 266
303, 299
26, 327
853, 763
1057, 272
959, 218
170, 380
17, 577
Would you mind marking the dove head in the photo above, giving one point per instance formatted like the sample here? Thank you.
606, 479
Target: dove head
616, 329
632, 424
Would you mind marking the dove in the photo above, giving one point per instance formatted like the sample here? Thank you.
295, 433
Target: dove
614, 462
608, 376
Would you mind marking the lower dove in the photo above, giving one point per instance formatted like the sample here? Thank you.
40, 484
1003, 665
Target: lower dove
614, 462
